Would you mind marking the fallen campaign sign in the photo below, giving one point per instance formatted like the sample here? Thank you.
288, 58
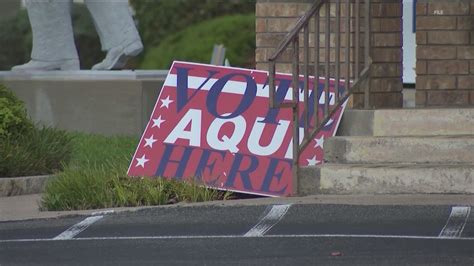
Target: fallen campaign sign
214, 124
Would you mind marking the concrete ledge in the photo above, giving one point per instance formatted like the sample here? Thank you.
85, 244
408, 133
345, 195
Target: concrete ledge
101, 102
15, 186
395, 179
424, 122
408, 122
434, 150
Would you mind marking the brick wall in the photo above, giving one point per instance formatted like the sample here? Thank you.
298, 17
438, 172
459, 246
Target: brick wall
445, 53
276, 17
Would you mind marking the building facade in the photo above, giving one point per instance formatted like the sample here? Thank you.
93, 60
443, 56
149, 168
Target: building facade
444, 53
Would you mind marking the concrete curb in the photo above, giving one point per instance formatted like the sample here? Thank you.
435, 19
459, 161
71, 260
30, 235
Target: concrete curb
15, 186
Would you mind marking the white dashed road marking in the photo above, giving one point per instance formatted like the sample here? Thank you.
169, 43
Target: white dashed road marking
456, 222
103, 212
77, 228
275, 214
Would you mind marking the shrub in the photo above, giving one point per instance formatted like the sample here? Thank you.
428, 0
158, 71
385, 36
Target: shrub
25, 149
15, 41
159, 18
35, 152
13, 117
195, 43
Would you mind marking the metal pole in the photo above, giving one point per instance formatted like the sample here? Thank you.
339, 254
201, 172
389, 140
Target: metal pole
338, 50
327, 51
296, 126
367, 52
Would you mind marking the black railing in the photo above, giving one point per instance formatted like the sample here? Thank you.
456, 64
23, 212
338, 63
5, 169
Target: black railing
351, 77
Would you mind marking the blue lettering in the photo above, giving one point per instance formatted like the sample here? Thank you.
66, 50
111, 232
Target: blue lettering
283, 87
204, 162
182, 86
244, 173
272, 173
166, 159
247, 99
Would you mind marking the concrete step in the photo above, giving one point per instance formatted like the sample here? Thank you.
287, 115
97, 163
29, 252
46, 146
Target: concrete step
386, 179
427, 149
408, 122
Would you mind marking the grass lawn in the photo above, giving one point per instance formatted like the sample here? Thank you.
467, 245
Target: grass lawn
96, 178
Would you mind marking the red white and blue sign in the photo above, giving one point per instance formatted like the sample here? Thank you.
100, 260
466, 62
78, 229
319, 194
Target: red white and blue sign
213, 124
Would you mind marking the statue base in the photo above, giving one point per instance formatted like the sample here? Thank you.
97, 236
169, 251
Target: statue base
100, 102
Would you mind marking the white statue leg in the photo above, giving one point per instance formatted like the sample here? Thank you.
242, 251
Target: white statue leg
117, 32
53, 39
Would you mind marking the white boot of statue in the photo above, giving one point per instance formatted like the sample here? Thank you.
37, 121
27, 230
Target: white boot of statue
117, 32
53, 40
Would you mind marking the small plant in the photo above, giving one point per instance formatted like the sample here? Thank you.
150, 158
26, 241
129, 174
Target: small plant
38, 151
96, 178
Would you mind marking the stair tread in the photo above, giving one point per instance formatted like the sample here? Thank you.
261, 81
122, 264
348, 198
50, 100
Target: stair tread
393, 165
408, 137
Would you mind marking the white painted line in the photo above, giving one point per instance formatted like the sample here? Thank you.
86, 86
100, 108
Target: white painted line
240, 236
275, 214
456, 222
77, 228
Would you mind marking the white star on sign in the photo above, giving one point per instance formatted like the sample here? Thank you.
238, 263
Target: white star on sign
141, 161
329, 122
312, 161
150, 141
166, 102
319, 142
157, 122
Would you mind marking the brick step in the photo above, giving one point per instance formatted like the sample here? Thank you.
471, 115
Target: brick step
386, 179
426, 149
408, 122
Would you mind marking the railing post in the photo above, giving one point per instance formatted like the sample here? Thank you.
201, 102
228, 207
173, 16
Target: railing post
317, 39
348, 45
327, 53
296, 126
357, 39
271, 84
306, 80
368, 59
338, 51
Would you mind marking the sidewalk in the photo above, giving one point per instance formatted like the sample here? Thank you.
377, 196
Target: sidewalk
26, 207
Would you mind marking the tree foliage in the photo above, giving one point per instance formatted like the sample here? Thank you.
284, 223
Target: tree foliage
159, 18
195, 43
13, 117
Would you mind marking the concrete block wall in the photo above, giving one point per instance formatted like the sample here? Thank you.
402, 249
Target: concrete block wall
99, 102
445, 53
275, 18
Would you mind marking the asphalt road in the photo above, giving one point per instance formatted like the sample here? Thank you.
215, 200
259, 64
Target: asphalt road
247, 235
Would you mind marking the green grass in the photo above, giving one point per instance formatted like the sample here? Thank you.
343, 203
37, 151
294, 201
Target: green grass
96, 178
38, 151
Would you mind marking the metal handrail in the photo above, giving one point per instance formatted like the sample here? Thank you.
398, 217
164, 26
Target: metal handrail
352, 82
